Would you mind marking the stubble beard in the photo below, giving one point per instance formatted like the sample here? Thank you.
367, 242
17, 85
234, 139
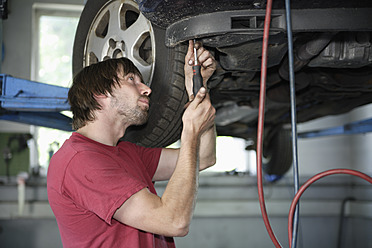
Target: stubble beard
135, 116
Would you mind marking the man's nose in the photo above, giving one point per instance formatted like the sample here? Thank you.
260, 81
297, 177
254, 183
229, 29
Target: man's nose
145, 90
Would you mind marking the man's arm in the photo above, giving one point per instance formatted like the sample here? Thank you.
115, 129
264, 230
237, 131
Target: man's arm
208, 66
207, 153
169, 156
208, 148
170, 215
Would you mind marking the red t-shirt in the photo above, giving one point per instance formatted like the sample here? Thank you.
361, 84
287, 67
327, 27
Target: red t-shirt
88, 181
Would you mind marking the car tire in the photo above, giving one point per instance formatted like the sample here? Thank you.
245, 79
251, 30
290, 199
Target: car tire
277, 153
166, 77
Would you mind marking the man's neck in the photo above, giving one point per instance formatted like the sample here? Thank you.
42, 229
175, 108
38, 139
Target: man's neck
102, 133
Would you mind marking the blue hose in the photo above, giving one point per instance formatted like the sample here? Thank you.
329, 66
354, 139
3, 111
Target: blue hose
293, 118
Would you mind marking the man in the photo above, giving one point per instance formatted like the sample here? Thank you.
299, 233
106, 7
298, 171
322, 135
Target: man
101, 190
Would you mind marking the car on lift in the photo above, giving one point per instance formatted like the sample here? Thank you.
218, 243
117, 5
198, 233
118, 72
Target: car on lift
332, 62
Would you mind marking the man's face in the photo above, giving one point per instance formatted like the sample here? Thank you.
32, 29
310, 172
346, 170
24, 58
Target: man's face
131, 99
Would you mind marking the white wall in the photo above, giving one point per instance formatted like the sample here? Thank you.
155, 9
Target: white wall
17, 36
339, 151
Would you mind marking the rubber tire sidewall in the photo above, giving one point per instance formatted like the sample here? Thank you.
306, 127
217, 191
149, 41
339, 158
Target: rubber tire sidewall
278, 153
168, 95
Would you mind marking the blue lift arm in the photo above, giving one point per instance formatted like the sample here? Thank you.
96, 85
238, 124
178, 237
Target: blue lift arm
40, 104
356, 127
34, 103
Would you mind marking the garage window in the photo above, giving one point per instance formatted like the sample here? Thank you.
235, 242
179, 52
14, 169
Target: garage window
232, 157
54, 27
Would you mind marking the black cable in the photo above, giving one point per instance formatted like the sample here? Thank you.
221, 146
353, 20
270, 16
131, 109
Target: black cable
342, 217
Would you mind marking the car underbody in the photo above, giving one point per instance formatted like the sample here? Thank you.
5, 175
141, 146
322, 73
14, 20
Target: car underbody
333, 58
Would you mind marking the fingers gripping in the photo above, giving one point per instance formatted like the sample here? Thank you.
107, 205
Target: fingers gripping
200, 113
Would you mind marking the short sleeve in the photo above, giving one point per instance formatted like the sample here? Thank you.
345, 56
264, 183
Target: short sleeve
150, 157
96, 182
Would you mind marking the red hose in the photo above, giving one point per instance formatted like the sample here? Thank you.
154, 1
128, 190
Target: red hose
312, 180
261, 114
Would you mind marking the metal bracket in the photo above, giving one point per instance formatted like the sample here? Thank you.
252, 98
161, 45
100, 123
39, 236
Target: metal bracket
250, 22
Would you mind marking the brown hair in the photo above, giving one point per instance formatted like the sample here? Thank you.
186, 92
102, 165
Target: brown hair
96, 79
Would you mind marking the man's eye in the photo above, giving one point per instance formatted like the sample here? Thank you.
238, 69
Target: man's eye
131, 78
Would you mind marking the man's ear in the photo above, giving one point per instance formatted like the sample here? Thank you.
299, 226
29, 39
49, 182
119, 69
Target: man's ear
100, 98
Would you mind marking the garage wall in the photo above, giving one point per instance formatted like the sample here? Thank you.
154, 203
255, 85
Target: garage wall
17, 36
361, 145
339, 151
17, 46
227, 214
239, 230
